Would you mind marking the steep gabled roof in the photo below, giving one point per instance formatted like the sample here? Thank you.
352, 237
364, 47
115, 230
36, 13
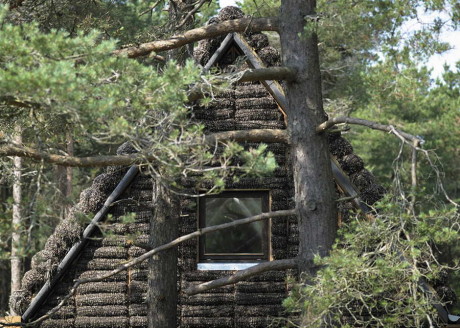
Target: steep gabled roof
276, 91
257, 52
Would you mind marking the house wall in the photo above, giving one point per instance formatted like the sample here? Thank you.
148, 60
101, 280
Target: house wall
253, 303
119, 301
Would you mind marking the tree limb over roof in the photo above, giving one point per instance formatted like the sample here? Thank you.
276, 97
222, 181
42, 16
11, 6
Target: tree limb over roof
200, 33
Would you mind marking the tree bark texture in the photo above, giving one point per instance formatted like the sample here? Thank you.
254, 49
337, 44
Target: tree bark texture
162, 292
314, 189
16, 263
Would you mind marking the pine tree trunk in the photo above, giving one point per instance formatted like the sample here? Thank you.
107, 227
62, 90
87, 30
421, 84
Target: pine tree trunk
162, 295
178, 10
64, 176
16, 263
314, 189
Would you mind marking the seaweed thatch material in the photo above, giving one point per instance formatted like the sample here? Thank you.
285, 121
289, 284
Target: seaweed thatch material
120, 300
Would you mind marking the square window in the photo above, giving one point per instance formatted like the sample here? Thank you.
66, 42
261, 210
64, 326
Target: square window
249, 242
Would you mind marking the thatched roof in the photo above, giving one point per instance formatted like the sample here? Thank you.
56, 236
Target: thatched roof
119, 301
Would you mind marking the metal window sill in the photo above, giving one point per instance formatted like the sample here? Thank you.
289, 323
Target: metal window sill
225, 266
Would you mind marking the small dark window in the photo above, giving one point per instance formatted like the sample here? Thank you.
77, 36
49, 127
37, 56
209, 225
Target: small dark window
243, 243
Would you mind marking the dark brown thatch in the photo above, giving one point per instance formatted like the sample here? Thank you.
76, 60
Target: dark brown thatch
362, 179
270, 56
258, 41
229, 13
101, 299
340, 147
102, 322
102, 311
138, 322
103, 288
199, 322
351, 163
53, 323
373, 194
120, 300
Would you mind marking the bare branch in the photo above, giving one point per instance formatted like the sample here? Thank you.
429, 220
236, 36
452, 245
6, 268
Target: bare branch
94, 161
175, 242
370, 124
191, 13
206, 32
256, 135
198, 233
150, 8
269, 73
405, 137
243, 275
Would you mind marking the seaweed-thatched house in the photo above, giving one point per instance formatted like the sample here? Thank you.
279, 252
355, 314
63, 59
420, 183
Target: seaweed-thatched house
120, 301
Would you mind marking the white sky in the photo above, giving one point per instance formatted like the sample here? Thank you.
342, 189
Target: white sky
436, 62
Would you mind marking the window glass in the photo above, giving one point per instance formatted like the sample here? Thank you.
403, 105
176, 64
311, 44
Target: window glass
243, 242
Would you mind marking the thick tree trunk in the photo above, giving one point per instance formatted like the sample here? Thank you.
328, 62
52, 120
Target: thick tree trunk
314, 189
16, 263
162, 296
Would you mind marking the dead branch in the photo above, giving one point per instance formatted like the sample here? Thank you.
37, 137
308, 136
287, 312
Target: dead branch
93, 161
406, 138
370, 124
150, 8
242, 275
206, 32
191, 13
256, 135
175, 242
261, 74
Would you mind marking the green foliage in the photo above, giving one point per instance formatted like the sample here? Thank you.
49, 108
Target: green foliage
122, 20
408, 99
373, 68
104, 97
373, 275
63, 73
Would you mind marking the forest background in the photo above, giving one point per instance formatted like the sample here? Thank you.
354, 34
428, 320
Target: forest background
371, 69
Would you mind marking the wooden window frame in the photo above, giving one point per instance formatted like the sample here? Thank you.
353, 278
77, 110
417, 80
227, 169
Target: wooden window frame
264, 195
